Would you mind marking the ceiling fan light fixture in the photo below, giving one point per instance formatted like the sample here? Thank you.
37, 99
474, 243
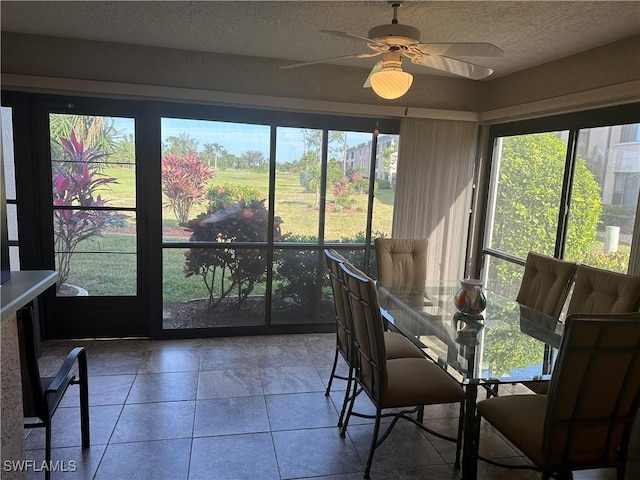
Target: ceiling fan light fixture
391, 82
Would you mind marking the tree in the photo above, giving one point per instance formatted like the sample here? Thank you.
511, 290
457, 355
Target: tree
229, 269
76, 182
526, 216
254, 159
95, 132
124, 151
212, 151
181, 145
183, 180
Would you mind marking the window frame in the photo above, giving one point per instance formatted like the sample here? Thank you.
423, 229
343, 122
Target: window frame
571, 122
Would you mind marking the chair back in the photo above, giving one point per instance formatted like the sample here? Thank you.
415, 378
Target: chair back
368, 331
594, 392
343, 312
402, 266
32, 393
602, 291
545, 283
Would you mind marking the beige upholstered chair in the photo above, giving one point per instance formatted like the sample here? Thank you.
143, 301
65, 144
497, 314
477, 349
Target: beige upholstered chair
400, 383
585, 420
602, 291
397, 346
545, 283
544, 287
402, 267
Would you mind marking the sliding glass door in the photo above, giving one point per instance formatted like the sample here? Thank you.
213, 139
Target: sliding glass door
170, 220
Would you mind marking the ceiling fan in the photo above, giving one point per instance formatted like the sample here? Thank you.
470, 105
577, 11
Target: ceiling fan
396, 41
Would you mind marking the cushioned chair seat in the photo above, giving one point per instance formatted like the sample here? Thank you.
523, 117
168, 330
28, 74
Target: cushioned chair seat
406, 385
522, 416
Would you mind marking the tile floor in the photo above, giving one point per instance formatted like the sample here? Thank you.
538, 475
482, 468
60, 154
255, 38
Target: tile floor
237, 408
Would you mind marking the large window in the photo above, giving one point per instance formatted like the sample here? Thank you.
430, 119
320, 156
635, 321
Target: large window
261, 202
570, 193
162, 218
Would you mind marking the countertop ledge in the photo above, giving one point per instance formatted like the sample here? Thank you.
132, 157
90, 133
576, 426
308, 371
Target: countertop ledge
22, 287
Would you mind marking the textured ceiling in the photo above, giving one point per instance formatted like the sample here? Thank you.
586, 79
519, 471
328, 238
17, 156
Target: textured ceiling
530, 33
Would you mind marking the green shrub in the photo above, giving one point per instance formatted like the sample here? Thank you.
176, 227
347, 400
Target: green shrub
383, 184
238, 269
221, 197
617, 215
615, 262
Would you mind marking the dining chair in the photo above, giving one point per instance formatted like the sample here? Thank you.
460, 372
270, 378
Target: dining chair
406, 384
41, 396
402, 267
545, 284
397, 345
598, 291
586, 418
544, 287
603, 291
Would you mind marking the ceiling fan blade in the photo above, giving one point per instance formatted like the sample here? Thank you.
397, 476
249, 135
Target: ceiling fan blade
323, 60
471, 49
351, 36
376, 68
451, 65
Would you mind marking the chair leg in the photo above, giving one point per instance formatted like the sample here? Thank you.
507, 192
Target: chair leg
47, 449
374, 441
459, 436
476, 438
350, 384
352, 401
84, 400
333, 372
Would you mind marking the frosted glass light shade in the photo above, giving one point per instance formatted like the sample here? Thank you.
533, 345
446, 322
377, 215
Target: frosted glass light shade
391, 83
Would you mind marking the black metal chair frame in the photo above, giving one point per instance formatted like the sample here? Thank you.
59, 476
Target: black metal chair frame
41, 396
397, 414
344, 350
564, 469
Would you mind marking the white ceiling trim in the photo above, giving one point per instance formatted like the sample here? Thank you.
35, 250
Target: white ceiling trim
618, 94
124, 90
627, 92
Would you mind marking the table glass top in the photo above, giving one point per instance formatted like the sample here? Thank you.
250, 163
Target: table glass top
508, 342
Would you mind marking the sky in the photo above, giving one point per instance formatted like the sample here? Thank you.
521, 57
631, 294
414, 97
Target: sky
238, 138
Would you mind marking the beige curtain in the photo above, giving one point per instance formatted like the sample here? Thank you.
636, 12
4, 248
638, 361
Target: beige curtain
434, 190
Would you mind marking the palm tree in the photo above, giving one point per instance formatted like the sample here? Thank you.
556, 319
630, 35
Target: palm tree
213, 150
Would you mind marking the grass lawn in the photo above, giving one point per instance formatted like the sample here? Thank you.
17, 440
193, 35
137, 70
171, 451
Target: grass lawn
114, 273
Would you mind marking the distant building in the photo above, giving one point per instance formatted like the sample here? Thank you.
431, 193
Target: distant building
613, 155
359, 158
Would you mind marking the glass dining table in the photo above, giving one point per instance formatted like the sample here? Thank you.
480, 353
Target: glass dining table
506, 343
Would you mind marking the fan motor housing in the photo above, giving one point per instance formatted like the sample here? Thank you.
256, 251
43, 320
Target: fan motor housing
395, 34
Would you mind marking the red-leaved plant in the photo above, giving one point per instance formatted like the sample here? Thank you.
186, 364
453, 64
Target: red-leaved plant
183, 179
76, 178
